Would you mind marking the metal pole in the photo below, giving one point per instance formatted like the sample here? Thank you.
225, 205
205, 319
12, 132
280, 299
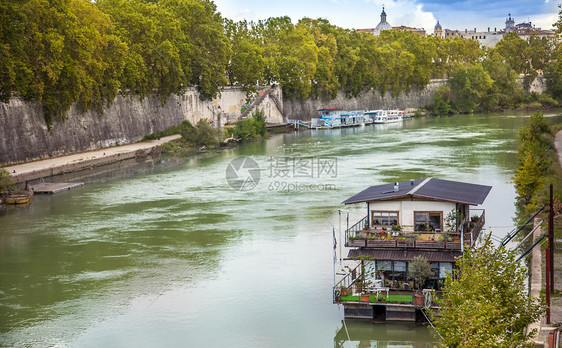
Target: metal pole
339, 213
551, 238
462, 239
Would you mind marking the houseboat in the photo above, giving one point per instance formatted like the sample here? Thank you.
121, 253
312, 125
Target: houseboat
385, 116
329, 118
427, 218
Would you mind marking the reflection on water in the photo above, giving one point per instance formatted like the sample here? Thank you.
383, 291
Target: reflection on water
166, 253
360, 334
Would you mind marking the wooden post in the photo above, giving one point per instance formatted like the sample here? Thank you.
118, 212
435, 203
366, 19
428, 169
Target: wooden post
547, 288
551, 238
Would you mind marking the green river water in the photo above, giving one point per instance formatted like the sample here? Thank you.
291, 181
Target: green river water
168, 254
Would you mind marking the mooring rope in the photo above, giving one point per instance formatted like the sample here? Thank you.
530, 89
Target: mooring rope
430, 323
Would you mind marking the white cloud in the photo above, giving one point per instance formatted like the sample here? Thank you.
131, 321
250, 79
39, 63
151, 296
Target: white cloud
545, 21
416, 17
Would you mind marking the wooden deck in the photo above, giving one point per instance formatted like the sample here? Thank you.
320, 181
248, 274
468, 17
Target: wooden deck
52, 188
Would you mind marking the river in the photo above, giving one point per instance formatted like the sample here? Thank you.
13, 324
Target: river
171, 254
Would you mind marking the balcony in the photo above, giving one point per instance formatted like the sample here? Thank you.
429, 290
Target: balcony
361, 235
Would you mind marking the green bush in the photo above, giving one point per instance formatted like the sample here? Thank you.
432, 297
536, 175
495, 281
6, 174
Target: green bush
6, 181
250, 128
203, 134
441, 101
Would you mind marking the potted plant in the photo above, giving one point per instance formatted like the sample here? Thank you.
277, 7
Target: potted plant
343, 290
365, 279
420, 269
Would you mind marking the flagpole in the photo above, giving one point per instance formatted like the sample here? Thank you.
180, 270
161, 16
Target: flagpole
335, 257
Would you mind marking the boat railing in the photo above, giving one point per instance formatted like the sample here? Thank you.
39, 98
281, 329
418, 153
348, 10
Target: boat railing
354, 230
346, 282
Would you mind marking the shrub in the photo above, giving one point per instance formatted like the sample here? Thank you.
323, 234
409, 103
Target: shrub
202, 134
250, 128
6, 181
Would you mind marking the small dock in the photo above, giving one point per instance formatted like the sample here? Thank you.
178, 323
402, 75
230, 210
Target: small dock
52, 188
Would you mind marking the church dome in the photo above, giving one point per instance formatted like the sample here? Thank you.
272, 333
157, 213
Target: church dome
438, 26
383, 25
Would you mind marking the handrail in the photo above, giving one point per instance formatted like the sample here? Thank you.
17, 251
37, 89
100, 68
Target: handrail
346, 282
510, 236
358, 227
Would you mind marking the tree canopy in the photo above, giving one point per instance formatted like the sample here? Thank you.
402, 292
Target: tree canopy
485, 302
66, 51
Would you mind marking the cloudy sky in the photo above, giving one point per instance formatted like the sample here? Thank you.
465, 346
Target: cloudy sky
452, 14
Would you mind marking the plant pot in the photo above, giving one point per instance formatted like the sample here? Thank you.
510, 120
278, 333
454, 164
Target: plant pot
343, 291
365, 297
418, 299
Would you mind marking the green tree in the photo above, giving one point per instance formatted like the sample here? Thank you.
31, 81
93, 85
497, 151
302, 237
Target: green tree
515, 51
208, 51
469, 86
324, 83
155, 44
505, 89
246, 63
554, 69
58, 53
485, 301
536, 155
6, 181
553, 77
420, 269
441, 101
290, 55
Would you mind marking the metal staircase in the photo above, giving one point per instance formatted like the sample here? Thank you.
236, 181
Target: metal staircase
268, 92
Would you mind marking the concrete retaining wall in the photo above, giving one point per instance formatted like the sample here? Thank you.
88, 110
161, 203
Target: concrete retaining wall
24, 135
307, 109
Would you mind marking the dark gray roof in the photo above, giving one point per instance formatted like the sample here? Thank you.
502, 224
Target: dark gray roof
404, 255
430, 189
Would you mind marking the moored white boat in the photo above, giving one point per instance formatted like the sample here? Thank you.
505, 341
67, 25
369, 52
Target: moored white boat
386, 116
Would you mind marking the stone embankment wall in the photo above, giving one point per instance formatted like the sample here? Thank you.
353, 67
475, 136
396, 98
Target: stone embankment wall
24, 135
307, 109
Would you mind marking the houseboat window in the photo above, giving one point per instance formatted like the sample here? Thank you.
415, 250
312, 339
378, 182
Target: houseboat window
435, 269
384, 272
445, 267
424, 220
399, 270
385, 218
384, 265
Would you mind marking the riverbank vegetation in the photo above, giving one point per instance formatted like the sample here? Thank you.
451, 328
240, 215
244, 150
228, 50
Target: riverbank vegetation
502, 77
203, 135
485, 301
537, 168
61, 52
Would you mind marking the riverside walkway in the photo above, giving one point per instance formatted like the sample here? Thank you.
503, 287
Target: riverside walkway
537, 276
78, 161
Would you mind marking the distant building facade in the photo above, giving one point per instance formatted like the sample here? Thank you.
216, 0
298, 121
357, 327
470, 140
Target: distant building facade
490, 38
414, 30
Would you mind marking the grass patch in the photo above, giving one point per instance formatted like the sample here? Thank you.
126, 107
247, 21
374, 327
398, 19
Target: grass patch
373, 298
179, 129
